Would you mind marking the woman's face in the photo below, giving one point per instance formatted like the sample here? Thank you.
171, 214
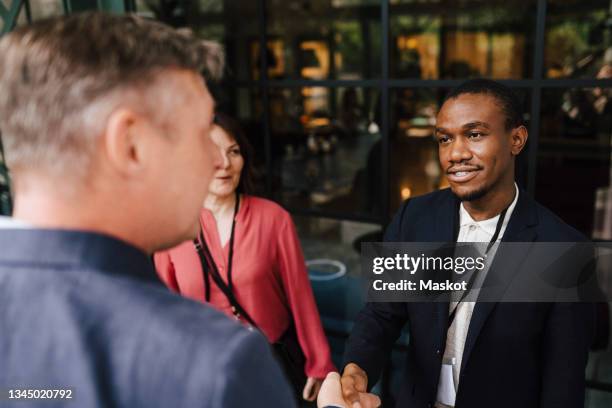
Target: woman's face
227, 173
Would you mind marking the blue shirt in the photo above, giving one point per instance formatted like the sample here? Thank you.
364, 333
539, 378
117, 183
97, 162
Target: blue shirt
85, 311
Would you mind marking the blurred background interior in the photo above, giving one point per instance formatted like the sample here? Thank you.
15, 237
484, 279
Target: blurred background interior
339, 99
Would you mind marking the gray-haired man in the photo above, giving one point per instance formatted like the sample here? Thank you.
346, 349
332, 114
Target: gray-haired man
105, 123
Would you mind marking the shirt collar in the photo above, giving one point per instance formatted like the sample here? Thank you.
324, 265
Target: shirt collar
488, 225
12, 223
70, 249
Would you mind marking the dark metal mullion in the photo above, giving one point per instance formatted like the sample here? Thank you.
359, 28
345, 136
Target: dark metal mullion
442, 43
490, 54
332, 70
287, 83
385, 159
366, 55
28, 11
599, 386
428, 83
384, 114
10, 14
130, 6
569, 83
515, 83
6, 203
536, 95
263, 87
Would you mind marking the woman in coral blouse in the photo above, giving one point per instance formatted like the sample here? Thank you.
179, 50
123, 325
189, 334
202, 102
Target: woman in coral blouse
255, 249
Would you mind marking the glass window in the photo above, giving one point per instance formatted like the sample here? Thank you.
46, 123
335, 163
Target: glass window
331, 249
146, 8
598, 398
414, 161
441, 39
40, 9
234, 24
5, 199
323, 39
578, 39
573, 162
324, 146
22, 18
335, 240
415, 169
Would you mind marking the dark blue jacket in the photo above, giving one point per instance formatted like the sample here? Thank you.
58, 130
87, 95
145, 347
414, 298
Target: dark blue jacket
523, 355
86, 312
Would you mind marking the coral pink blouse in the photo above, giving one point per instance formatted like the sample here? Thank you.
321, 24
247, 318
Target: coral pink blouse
269, 276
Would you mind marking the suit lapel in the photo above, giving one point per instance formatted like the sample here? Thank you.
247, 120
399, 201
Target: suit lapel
444, 231
446, 219
521, 228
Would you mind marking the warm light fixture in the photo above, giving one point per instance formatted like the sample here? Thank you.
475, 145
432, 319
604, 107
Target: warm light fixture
406, 192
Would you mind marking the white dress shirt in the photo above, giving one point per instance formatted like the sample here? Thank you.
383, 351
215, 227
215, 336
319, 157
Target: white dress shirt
12, 223
469, 231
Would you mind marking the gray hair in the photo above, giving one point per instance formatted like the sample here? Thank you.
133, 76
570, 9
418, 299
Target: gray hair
60, 77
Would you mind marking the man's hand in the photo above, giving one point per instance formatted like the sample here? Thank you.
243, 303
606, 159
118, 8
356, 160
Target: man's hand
354, 382
332, 395
311, 389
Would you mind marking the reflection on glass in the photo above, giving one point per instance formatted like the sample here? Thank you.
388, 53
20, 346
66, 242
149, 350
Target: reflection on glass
323, 141
237, 25
413, 151
331, 249
321, 39
338, 241
578, 39
40, 9
443, 39
275, 58
143, 8
573, 164
22, 19
415, 55
232, 23
175, 11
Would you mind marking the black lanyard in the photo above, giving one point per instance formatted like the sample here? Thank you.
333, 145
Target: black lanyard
208, 264
498, 227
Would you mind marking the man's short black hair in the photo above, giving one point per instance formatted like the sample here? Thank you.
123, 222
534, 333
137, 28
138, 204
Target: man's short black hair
508, 100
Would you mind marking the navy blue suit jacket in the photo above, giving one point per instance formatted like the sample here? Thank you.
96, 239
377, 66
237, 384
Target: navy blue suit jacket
524, 355
86, 311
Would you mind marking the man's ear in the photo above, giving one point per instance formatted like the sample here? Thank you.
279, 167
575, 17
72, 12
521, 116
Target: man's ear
518, 140
124, 142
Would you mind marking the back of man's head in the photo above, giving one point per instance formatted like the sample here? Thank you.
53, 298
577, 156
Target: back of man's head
57, 78
105, 121
506, 98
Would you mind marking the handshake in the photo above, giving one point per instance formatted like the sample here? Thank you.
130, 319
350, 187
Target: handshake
348, 391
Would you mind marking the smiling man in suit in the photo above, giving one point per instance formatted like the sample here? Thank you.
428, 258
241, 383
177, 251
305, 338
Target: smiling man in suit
476, 354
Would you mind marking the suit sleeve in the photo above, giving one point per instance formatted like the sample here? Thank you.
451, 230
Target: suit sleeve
249, 376
567, 337
393, 233
378, 325
569, 333
165, 270
292, 269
